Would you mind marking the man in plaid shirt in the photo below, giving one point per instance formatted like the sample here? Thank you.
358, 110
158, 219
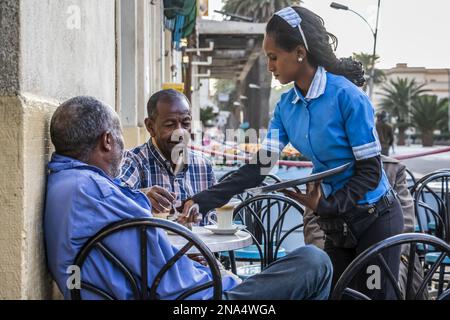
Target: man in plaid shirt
157, 164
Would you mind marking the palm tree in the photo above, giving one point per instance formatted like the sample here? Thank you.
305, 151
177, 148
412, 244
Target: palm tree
259, 10
429, 113
368, 65
397, 97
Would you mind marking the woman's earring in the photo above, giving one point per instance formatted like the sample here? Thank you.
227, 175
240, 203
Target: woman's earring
300, 59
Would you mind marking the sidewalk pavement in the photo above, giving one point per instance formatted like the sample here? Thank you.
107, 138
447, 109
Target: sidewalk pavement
423, 164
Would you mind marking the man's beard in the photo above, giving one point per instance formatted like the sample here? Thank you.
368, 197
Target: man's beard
116, 166
116, 162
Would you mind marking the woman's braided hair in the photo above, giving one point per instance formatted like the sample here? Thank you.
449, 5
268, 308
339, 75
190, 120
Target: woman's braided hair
320, 43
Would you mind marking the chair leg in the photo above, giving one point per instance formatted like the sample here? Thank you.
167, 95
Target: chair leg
232, 261
441, 280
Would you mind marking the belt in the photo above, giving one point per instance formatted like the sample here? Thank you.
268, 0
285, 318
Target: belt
386, 201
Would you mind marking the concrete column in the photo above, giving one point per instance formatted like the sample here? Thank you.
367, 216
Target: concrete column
195, 102
156, 48
168, 56
136, 20
143, 60
128, 68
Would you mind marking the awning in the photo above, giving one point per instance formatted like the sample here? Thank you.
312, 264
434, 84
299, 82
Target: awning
237, 45
180, 17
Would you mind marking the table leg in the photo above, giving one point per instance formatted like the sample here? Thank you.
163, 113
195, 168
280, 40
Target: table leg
232, 261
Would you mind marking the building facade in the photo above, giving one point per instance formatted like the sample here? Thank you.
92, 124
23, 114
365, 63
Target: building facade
435, 80
115, 50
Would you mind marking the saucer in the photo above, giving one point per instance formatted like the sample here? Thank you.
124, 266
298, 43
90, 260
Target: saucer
235, 228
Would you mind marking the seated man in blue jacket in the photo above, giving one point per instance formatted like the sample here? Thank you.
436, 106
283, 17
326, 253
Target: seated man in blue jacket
83, 197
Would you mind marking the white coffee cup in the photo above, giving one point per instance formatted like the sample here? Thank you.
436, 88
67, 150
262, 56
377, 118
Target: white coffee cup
224, 215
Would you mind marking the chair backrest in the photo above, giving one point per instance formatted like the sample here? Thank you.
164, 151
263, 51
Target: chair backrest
419, 182
265, 217
425, 215
434, 190
138, 282
411, 177
374, 253
268, 180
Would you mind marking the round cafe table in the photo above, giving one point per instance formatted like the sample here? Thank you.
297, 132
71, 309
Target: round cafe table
215, 242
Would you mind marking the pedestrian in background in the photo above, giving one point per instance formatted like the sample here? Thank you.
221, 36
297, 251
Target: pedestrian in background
385, 133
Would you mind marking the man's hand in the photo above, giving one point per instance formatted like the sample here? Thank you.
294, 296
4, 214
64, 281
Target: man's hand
310, 199
198, 258
190, 213
161, 199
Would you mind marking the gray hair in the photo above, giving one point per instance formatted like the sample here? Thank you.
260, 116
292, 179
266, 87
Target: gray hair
78, 123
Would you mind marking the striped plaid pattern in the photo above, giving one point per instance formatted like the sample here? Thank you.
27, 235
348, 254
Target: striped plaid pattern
144, 166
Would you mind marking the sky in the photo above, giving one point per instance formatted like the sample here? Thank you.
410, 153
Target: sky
409, 31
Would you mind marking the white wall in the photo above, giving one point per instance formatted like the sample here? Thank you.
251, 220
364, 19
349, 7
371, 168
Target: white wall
54, 54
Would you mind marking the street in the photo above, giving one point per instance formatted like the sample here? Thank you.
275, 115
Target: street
425, 164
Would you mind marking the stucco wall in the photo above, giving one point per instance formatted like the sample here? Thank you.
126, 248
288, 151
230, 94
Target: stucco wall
9, 48
11, 196
24, 133
42, 63
37, 148
60, 60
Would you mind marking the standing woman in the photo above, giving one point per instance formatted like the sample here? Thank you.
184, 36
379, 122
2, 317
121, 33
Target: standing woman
331, 121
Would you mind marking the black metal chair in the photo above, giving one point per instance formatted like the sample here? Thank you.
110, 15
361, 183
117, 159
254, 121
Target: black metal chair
342, 288
432, 217
434, 190
411, 177
420, 182
423, 178
264, 216
138, 282
428, 220
430, 223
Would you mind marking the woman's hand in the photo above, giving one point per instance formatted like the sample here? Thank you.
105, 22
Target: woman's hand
310, 199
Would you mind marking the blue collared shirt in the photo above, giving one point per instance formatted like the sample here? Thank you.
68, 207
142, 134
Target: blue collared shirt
145, 166
333, 125
81, 200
